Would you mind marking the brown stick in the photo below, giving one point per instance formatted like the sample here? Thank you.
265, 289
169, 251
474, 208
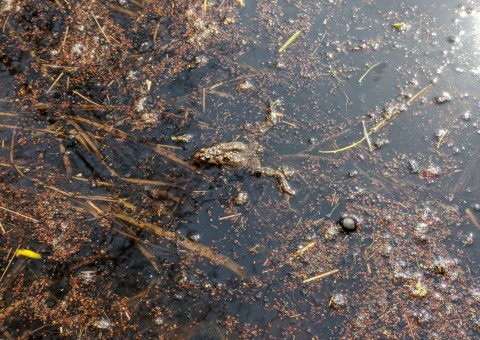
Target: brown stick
185, 243
472, 218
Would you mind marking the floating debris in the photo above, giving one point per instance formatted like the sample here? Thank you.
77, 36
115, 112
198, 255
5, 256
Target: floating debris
430, 173
442, 266
440, 133
245, 85
420, 232
241, 198
469, 239
413, 167
185, 138
353, 173
380, 143
338, 301
466, 116
103, 323
444, 98
453, 39
423, 317
331, 232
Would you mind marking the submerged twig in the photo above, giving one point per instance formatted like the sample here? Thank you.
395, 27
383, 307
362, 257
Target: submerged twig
185, 243
472, 218
174, 158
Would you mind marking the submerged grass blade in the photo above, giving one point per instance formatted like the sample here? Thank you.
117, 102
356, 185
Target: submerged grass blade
379, 125
368, 71
289, 41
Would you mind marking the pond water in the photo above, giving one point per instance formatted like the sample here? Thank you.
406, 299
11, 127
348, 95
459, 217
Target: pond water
369, 110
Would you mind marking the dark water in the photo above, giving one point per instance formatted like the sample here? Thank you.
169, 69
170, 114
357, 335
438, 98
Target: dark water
409, 194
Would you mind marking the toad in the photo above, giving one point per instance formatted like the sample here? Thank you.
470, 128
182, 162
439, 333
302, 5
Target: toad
238, 155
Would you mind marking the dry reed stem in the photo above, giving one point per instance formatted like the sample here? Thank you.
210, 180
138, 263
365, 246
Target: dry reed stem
19, 214
100, 28
9, 262
320, 276
88, 100
55, 82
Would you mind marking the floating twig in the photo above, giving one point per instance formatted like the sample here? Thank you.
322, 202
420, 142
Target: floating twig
229, 217
83, 138
366, 136
123, 11
302, 250
318, 45
320, 276
368, 71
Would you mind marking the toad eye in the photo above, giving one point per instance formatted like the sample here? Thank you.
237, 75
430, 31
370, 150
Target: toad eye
226, 159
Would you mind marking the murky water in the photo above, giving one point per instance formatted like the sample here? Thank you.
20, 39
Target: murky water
404, 73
